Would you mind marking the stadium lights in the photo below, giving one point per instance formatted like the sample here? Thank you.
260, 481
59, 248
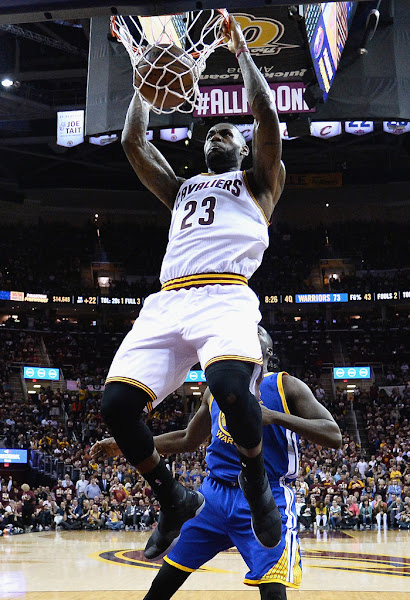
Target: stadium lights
6, 82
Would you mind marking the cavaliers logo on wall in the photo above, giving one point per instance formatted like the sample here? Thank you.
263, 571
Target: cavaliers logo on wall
262, 34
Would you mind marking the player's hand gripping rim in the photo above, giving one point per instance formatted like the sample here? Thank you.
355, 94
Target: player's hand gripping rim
234, 35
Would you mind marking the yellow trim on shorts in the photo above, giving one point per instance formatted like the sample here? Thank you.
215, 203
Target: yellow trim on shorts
245, 178
278, 573
134, 383
201, 279
174, 564
282, 392
252, 582
258, 361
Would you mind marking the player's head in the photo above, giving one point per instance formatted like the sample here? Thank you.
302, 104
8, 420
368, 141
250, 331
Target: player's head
270, 359
225, 148
266, 343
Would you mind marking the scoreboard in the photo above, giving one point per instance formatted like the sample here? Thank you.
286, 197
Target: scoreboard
342, 297
273, 298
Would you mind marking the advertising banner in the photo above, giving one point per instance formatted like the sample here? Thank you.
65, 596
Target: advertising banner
194, 376
176, 134
325, 129
232, 100
396, 127
13, 456
70, 128
359, 127
41, 373
277, 42
351, 373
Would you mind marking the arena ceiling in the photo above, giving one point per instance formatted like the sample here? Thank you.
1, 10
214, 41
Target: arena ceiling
49, 60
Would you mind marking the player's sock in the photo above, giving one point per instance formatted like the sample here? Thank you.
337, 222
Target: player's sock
265, 515
165, 487
253, 469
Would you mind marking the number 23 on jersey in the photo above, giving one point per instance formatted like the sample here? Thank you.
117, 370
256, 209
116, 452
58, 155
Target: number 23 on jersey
205, 214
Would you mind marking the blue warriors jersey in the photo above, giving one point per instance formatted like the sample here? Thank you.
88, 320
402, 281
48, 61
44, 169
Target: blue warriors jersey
226, 518
280, 445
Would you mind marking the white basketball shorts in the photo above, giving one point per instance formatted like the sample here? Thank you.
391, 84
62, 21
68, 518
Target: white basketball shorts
178, 328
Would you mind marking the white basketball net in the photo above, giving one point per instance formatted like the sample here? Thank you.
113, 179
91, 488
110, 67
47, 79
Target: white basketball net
167, 32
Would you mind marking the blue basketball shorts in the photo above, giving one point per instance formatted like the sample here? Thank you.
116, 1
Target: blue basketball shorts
225, 522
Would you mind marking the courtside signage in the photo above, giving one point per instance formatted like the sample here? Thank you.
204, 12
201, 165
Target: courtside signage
41, 373
351, 373
194, 376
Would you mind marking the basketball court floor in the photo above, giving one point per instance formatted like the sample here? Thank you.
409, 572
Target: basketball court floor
81, 565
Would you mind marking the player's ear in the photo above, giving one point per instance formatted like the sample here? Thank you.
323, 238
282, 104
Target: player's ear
245, 150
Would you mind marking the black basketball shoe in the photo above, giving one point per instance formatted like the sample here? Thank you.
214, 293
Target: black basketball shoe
170, 521
266, 517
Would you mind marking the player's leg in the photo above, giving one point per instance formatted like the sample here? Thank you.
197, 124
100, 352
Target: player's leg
201, 539
272, 591
150, 363
167, 581
229, 382
122, 407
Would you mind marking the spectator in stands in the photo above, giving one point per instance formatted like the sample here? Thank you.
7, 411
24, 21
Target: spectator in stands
335, 515
81, 486
72, 516
355, 484
321, 515
93, 489
114, 520
393, 509
351, 517
365, 514
130, 516
403, 517
362, 466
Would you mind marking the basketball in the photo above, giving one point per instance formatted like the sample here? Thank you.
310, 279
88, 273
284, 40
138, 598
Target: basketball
164, 75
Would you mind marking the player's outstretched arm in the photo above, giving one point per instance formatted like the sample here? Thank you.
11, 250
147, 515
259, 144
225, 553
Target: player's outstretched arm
186, 440
308, 417
189, 439
152, 168
267, 176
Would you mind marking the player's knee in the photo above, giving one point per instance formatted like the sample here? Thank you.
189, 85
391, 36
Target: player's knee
119, 400
272, 591
229, 382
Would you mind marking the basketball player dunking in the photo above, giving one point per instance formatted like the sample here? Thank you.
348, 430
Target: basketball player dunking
288, 408
205, 310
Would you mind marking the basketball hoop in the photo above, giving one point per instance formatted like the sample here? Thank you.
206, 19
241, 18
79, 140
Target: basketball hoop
168, 54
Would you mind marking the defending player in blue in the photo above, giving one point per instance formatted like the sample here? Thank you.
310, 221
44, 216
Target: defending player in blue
288, 409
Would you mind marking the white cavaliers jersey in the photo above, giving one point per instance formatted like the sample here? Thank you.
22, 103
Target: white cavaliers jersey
217, 226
